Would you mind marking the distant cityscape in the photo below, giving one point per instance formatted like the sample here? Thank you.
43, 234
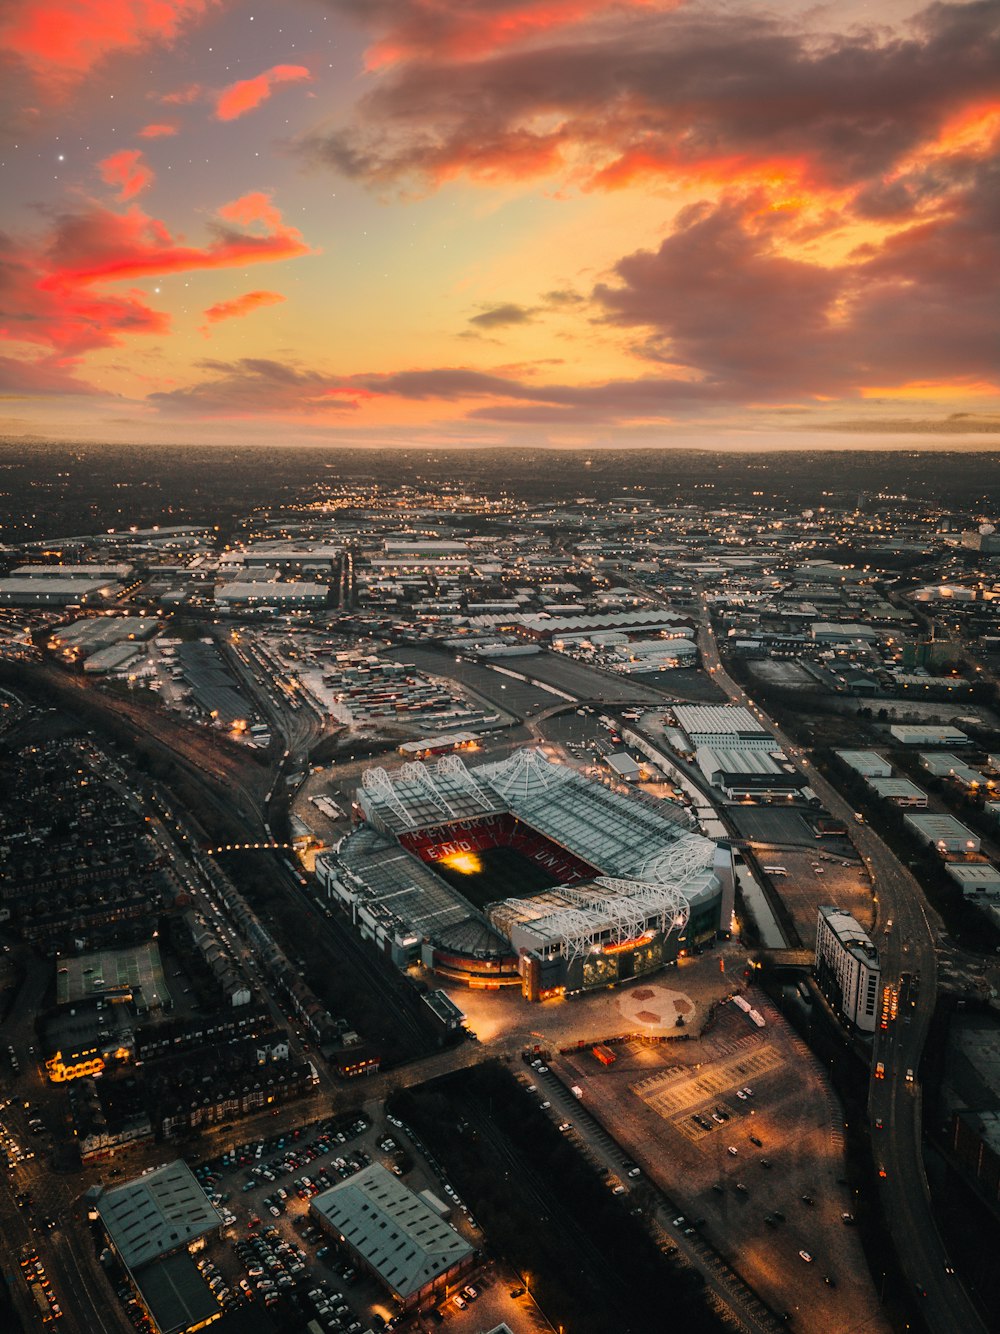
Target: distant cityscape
513, 905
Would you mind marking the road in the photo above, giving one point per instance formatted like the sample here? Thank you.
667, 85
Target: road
908, 933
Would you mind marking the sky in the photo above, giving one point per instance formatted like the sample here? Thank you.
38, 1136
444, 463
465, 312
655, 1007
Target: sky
558, 224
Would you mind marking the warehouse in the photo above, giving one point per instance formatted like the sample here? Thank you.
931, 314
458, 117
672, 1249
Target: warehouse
54, 592
944, 765
257, 594
152, 1224
743, 774
927, 734
900, 791
394, 1234
866, 763
947, 834
723, 727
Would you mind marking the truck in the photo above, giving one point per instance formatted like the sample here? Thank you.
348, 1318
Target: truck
576, 1090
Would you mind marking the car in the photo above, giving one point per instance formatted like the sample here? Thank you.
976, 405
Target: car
909, 1076
765, 1162
741, 1095
880, 1070
847, 1219
747, 1090
878, 1123
635, 1172
807, 1199
618, 1190
565, 1125
755, 1140
543, 1069
804, 1255
732, 1149
471, 1292
460, 1301
741, 1188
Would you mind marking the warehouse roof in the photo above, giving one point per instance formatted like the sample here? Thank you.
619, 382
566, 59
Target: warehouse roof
396, 1232
157, 1213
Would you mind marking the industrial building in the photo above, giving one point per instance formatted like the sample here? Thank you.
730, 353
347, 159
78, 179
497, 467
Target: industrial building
946, 833
900, 791
722, 727
524, 871
927, 734
743, 774
394, 1234
866, 763
847, 968
262, 593
152, 1224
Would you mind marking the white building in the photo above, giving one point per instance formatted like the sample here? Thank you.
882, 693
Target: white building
944, 831
847, 968
900, 791
722, 727
927, 734
866, 763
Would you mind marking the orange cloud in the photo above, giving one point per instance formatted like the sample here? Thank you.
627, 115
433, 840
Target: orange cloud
63, 40
242, 305
127, 171
157, 131
100, 246
934, 390
465, 31
51, 289
239, 98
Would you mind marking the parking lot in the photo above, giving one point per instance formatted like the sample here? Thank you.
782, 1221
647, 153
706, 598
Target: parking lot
741, 1132
272, 1257
815, 877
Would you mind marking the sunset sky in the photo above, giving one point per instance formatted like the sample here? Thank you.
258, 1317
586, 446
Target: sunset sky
558, 223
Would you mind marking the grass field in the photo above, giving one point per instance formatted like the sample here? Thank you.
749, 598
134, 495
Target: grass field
506, 874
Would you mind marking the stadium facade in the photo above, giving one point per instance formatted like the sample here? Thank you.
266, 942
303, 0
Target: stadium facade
524, 871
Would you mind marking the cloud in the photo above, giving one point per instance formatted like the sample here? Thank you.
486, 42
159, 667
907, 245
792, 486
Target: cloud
127, 171
629, 95
256, 385
157, 131
95, 245
242, 305
499, 317
60, 41
53, 288
182, 97
20, 378
722, 305
412, 28
244, 96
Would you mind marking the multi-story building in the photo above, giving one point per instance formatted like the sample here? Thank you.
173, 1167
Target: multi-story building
847, 967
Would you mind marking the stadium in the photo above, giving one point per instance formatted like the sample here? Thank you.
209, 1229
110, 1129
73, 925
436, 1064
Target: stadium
523, 871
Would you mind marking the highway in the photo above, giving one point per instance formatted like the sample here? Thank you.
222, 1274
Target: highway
907, 937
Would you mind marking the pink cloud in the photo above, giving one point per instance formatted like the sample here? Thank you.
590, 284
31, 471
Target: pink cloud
62, 40
127, 171
157, 131
239, 98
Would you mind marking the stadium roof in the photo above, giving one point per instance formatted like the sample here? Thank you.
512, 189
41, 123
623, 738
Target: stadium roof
157, 1213
396, 1232
652, 865
398, 890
